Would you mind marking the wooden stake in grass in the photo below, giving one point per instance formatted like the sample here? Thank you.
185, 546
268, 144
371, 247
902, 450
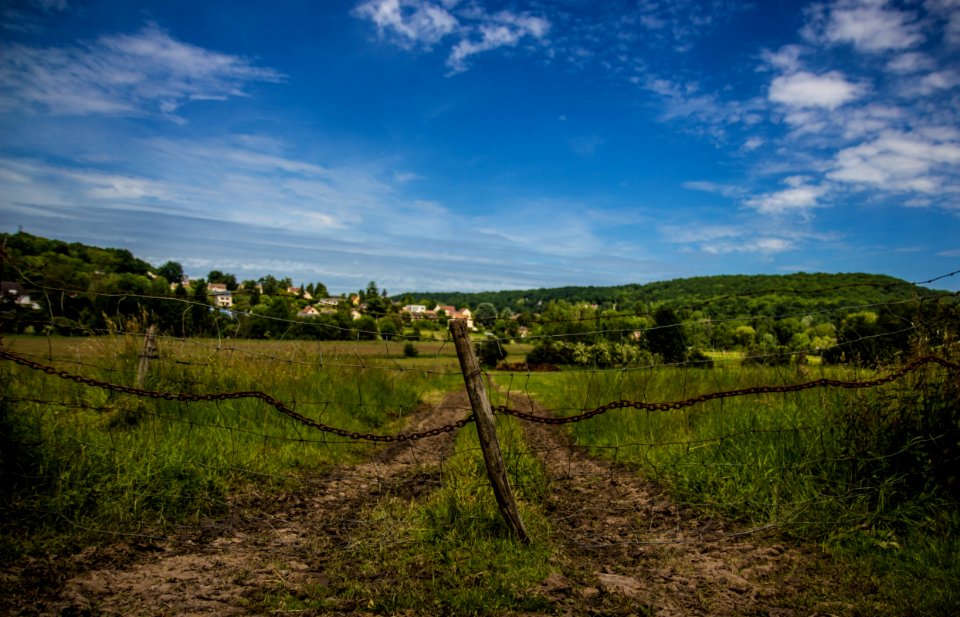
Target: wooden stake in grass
149, 352
486, 430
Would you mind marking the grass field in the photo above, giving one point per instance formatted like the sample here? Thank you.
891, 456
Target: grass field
860, 473
863, 475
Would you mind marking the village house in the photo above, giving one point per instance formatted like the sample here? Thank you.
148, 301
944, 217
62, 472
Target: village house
452, 313
309, 311
14, 292
222, 299
296, 291
416, 311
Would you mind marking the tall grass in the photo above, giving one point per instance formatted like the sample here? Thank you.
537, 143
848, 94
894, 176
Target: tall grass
870, 475
448, 553
78, 462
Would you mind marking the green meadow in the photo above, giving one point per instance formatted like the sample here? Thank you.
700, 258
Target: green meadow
865, 477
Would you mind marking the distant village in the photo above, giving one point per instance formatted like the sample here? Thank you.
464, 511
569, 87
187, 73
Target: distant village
223, 298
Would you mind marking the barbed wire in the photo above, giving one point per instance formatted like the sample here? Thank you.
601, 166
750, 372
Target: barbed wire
501, 409
703, 398
226, 396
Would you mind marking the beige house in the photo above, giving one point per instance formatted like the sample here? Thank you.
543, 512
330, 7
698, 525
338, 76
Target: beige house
453, 313
309, 311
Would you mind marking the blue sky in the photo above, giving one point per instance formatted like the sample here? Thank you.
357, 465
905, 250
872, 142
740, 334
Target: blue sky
479, 145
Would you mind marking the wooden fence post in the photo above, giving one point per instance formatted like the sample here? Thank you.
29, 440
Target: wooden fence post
486, 429
149, 351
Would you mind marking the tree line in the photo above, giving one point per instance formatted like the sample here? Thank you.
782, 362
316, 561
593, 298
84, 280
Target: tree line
860, 317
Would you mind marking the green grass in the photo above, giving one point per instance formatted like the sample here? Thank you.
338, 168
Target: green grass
860, 473
448, 553
80, 463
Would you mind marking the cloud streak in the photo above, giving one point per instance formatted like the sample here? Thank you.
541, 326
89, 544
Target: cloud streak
148, 72
424, 24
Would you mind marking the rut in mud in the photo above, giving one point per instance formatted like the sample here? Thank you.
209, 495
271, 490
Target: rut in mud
629, 547
624, 548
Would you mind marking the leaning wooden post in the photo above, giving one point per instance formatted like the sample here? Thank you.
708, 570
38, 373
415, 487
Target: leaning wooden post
149, 351
486, 430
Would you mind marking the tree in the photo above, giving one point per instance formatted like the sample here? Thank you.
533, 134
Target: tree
486, 314
666, 337
200, 320
490, 353
172, 271
388, 329
227, 279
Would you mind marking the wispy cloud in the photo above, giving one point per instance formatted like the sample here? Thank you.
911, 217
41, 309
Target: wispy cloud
869, 25
726, 190
729, 239
149, 72
407, 23
804, 90
425, 23
799, 197
919, 161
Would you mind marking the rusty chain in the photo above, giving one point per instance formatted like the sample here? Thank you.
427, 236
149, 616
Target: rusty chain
226, 396
501, 409
674, 405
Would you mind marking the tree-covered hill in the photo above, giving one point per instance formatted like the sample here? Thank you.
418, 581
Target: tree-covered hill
717, 297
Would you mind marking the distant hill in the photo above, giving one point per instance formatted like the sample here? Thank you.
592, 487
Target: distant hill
716, 296
63, 265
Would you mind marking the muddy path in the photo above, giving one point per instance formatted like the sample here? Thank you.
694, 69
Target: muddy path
265, 541
624, 548
629, 549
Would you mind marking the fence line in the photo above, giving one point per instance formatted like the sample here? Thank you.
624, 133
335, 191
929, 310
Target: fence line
503, 409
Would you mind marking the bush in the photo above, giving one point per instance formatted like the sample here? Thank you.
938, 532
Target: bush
767, 356
490, 353
410, 350
905, 439
605, 354
697, 359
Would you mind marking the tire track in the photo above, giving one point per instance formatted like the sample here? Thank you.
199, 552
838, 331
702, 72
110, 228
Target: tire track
268, 542
629, 548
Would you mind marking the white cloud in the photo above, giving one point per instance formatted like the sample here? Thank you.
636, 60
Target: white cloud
504, 29
726, 190
727, 239
689, 234
918, 161
869, 25
147, 72
950, 11
786, 59
911, 62
806, 90
410, 22
947, 79
752, 144
766, 246
799, 197
424, 23
870, 120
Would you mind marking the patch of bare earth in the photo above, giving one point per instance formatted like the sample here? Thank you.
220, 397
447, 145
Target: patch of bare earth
265, 543
626, 548
630, 550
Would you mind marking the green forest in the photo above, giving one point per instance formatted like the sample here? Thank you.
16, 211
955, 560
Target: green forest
78, 289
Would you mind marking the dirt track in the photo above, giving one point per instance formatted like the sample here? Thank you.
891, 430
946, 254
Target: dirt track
627, 548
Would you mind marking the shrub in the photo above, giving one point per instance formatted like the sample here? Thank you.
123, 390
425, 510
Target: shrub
490, 353
906, 439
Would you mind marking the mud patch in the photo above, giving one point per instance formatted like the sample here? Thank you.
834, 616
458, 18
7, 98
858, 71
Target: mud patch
630, 549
